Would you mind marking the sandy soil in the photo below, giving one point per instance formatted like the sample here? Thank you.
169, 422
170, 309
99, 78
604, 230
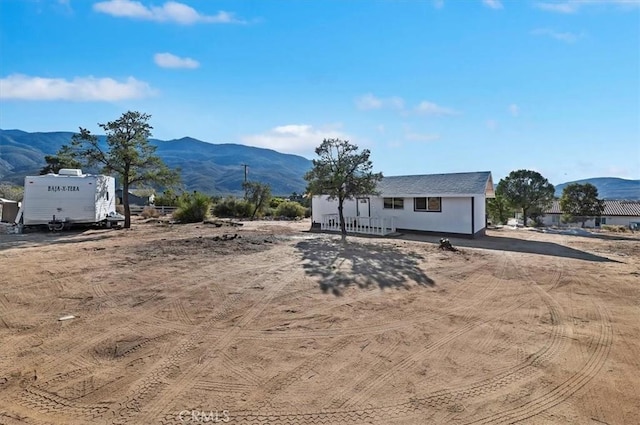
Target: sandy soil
174, 324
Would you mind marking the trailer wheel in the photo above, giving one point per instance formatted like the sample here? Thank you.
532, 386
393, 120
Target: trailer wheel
56, 226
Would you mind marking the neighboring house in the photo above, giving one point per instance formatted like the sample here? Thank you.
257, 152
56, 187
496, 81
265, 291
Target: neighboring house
8, 210
621, 213
442, 204
140, 198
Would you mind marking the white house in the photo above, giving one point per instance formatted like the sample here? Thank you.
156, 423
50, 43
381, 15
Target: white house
443, 204
616, 212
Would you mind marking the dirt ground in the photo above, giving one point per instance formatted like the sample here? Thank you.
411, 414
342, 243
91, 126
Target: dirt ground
272, 324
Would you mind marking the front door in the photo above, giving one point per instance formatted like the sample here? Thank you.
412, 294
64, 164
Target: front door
363, 207
597, 221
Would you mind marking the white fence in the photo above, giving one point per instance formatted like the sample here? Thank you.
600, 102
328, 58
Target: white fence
366, 225
163, 210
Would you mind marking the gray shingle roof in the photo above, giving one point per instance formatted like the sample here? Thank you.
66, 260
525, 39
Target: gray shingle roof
436, 184
611, 208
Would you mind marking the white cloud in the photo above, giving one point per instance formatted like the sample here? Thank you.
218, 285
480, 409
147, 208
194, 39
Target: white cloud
438, 4
430, 108
369, 101
168, 60
24, 87
514, 110
170, 11
418, 137
567, 7
294, 138
492, 125
493, 4
566, 37
573, 6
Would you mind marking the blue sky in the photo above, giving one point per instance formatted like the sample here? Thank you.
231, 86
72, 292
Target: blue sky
429, 86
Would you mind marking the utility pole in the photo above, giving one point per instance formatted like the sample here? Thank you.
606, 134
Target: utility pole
246, 166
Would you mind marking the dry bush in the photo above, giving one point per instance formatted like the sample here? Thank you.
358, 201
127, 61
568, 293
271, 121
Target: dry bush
614, 228
150, 212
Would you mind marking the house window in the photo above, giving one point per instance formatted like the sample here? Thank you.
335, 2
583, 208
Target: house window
427, 204
393, 203
603, 220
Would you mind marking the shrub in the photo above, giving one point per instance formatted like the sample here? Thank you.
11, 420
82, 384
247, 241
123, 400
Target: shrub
150, 212
120, 209
613, 228
193, 208
233, 207
290, 209
275, 202
168, 198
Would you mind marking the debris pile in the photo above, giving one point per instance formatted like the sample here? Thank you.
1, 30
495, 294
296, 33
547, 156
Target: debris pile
226, 237
217, 222
445, 245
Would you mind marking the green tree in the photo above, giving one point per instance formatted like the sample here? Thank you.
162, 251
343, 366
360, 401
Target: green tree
11, 192
526, 190
258, 194
342, 172
579, 203
62, 159
128, 154
499, 209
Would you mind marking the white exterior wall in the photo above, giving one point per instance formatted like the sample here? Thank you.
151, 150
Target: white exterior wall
555, 220
480, 212
321, 205
455, 216
76, 199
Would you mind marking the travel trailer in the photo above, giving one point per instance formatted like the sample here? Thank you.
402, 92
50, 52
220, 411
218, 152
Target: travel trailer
68, 198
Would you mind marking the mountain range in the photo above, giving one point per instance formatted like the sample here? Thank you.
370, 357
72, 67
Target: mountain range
609, 187
218, 169
206, 167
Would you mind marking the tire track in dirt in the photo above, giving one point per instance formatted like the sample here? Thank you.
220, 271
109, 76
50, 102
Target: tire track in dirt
74, 354
358, 381
369, 384
149, 323
229, 364
567, 388
221, 386
376, 326
511, 375
49, 403
276, 384
153, 393
5, 314
7, 418
384, 414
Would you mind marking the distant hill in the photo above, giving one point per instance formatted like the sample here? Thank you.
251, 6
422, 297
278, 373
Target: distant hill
206, 167
609, 187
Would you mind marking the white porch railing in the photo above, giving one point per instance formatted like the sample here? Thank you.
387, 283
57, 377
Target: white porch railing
366, 225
